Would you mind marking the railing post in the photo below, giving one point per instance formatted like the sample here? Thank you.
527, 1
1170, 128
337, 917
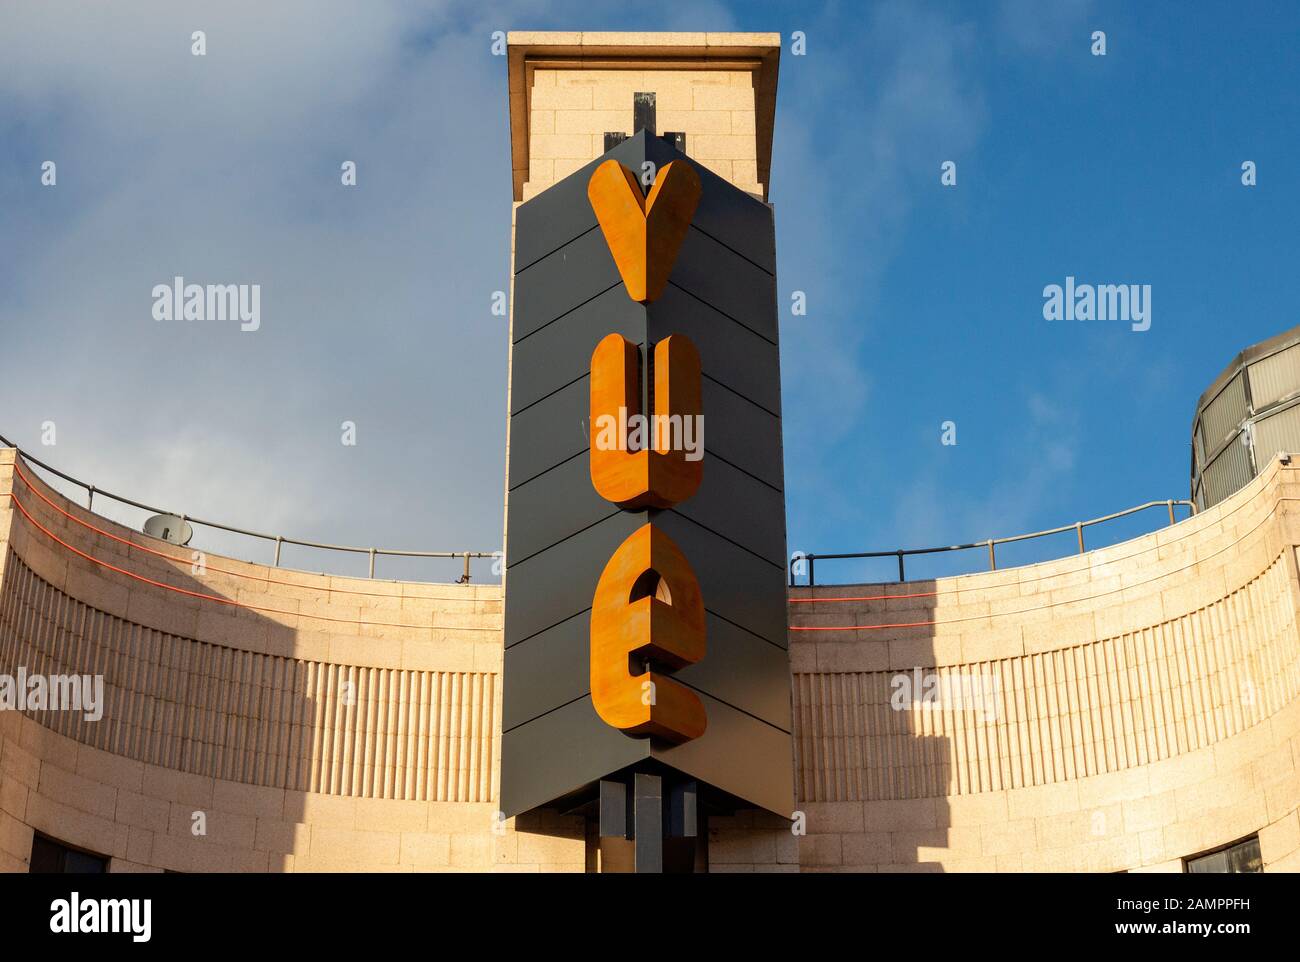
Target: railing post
1078, 529
372, 562
1171, 510
901, 575
993, 561
278, 541
466, 581
90, 497
812, 578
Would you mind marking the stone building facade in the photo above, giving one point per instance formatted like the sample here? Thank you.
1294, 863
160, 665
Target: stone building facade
1137, 706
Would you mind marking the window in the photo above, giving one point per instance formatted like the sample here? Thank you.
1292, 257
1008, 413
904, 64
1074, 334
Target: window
51, 857
1240, 856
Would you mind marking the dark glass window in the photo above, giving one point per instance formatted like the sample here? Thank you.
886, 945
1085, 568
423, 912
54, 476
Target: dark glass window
51, 857
1241, 856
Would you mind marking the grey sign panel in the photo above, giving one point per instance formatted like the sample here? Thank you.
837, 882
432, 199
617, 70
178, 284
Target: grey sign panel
554, 506
741, 669
741, 755
730, 353
734, 218
727, 282
736, 584
561, 534
553, 756
561, 212
550, 432
556, 583
560, 353
559, 753
561, 501
561, 581
550, 669
741, 432
556, 428
562, 281
740, 508
745, 671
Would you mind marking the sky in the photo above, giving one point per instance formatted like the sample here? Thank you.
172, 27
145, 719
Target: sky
925, 301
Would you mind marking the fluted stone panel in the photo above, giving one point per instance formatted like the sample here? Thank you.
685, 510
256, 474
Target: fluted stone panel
1180, 685
251, 717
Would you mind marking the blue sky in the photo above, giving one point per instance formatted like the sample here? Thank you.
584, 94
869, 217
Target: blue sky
925, 302
1115, 169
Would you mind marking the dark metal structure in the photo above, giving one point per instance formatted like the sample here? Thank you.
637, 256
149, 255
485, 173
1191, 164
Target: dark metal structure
1249, 413
556, 751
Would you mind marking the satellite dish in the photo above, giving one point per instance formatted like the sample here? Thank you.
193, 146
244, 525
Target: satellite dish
169, 527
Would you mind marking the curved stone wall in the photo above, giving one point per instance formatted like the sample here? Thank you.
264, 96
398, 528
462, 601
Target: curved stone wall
1123, 709
252, 717
306, 721
1142, 707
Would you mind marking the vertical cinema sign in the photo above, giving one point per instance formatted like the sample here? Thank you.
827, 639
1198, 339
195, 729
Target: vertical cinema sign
645, 620
647, 609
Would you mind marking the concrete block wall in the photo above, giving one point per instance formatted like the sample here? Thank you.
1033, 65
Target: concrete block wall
329, 724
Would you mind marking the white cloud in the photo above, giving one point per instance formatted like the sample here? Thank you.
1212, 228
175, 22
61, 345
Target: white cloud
225, 169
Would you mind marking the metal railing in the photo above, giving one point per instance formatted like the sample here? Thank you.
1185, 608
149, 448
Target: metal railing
279, 540
990, 543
